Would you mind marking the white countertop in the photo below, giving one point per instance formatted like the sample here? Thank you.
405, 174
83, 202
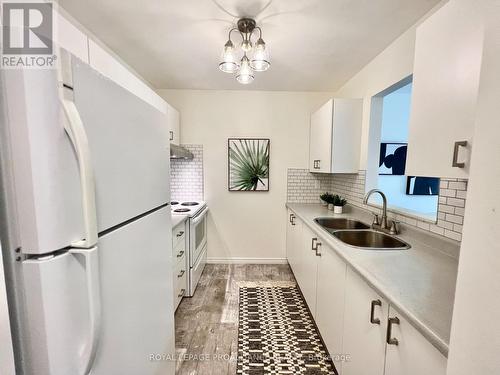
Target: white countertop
177, 219
419, 282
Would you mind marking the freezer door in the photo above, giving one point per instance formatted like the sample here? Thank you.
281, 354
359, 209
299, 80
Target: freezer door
129, 144
44, 167
137, 298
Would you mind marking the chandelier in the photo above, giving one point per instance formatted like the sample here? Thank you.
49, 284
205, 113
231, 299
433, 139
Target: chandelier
255, 55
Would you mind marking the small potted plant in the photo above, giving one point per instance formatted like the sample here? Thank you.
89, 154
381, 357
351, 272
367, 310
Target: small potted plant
338, 203
326, 198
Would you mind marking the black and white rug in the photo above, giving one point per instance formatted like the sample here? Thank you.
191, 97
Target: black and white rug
277, 335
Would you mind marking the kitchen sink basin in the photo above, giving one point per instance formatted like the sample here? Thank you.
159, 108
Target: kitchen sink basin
371, 240
334, 224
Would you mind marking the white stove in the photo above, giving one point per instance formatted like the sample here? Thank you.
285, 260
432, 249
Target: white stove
189, 208
197, 238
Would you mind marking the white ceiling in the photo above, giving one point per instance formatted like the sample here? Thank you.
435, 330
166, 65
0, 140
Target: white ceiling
315, 45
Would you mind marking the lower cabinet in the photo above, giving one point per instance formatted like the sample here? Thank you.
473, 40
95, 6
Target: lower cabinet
364, 328
307, 268
354, 321
293, 240
330, 293
413, 354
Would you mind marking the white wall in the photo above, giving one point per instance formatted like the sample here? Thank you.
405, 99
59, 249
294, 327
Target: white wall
475, 336
246, 224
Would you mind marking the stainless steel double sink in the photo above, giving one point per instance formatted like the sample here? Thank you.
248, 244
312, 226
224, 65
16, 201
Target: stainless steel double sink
357, 234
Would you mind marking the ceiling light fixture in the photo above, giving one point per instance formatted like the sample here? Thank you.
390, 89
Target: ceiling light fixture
258, 52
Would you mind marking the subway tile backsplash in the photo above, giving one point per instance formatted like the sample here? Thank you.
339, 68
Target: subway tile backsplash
186, 176
305, 187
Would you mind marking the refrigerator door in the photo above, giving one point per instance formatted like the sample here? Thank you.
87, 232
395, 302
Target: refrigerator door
129, 144
137, 298
44, 166
60, 322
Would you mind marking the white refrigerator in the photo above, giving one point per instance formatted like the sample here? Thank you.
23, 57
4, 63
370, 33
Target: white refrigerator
89, 171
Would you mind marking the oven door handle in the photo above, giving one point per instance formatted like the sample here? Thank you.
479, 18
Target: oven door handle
200, 216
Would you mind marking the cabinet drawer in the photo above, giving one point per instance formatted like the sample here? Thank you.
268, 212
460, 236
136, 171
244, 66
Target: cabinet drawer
179, 252
179, 234
180, 280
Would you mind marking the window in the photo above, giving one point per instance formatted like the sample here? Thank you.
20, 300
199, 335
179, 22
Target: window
414, 195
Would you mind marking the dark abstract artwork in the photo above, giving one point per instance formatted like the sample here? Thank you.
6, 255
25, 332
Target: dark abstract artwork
392, 159
422, 185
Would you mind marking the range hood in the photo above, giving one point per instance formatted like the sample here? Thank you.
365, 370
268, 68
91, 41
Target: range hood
178, 152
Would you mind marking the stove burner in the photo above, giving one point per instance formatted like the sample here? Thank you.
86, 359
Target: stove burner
189, 204
182, 210
173, 203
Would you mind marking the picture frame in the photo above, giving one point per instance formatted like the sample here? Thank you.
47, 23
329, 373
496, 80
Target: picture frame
392, 159
248, 164
422, 186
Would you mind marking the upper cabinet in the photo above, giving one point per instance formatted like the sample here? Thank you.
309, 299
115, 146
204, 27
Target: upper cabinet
173, 119
335, 137
445, 85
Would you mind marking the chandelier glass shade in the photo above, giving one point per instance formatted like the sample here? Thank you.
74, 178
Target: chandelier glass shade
250, 57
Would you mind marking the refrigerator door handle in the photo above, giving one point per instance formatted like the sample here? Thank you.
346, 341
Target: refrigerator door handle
91, 261
76, 133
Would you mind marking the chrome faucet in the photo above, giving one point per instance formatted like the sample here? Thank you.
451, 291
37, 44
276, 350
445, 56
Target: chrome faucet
382, 225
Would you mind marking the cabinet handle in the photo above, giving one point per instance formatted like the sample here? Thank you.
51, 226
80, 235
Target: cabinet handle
181, 253
374, 320
291, 218
182, 273
390, 339
180, 234
314, 245
171, 135
455, 163
181, 293
318, 254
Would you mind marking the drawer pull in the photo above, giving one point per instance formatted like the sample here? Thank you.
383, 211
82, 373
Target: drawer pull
181, 253
314, 246
180, 233
374, 320
318, 253
181, 294
182, 273
390, 339
455, 163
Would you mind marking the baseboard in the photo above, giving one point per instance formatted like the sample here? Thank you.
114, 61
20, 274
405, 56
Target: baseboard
240, 260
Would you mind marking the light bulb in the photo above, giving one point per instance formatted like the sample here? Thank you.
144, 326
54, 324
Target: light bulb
245, 75
229, 61
246, 45
260, 59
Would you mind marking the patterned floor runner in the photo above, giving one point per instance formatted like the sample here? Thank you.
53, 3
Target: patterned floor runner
277, 335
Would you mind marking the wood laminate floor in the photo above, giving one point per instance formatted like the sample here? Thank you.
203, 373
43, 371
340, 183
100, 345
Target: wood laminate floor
206, 325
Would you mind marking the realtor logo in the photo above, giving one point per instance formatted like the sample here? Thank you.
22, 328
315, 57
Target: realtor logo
27, 29
28, 35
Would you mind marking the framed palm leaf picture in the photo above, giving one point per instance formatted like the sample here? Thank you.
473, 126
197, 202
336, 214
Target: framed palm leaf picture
248, 164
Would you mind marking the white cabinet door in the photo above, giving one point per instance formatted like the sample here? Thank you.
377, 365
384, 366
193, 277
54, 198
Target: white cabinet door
320, 142
294, 243
413, 354
335, 137
445, 85
330, 301
307, 267
365, 323
173, 124
346, 137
